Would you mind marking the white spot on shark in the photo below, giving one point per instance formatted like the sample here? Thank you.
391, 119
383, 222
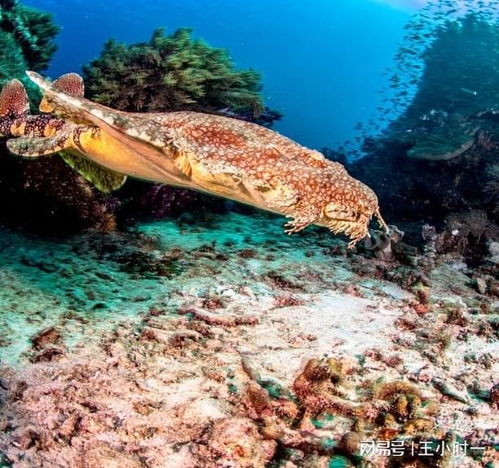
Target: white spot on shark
97, 113
133, 133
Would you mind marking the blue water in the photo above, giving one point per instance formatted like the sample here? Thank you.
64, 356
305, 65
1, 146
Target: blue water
321, 61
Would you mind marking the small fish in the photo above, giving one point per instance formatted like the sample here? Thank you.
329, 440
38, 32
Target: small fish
468, 91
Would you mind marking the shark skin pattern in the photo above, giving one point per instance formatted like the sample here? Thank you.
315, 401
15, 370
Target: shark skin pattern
219, 155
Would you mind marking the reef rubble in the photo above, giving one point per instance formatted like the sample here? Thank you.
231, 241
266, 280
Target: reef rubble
228, 343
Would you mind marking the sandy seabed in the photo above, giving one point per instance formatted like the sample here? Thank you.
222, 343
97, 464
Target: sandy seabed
229, 344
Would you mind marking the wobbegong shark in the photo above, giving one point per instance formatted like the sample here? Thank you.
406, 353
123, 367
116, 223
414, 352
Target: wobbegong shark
218, 155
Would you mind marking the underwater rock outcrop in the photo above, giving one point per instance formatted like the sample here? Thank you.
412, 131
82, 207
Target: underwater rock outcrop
44, 194
439, 157
458, 86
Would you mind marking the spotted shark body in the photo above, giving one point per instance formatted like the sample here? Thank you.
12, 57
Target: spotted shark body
219, 155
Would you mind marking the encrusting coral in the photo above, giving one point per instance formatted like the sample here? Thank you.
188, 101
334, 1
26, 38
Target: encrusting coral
324, 391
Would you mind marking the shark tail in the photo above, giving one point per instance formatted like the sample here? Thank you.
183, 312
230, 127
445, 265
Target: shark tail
120, 125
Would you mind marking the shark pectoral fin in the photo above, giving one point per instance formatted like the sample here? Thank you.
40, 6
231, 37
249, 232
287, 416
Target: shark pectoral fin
302, 215
103, 179
298, 224
33, 147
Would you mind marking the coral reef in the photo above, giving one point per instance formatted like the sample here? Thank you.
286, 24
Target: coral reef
45, 194
218, 341
438, 159
444, 67
458, 84
415, 190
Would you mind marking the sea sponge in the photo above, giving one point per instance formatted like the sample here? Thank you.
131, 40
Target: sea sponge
390, 390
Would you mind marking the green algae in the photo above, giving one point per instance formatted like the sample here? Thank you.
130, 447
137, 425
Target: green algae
274, 389
321, 421
339, 461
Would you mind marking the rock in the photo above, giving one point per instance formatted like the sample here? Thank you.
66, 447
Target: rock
481, 285
494, 252
237, 441
51, 353
380, 243
103, 455
494, 396
50, 335
351, 442
494, 288
205, 410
